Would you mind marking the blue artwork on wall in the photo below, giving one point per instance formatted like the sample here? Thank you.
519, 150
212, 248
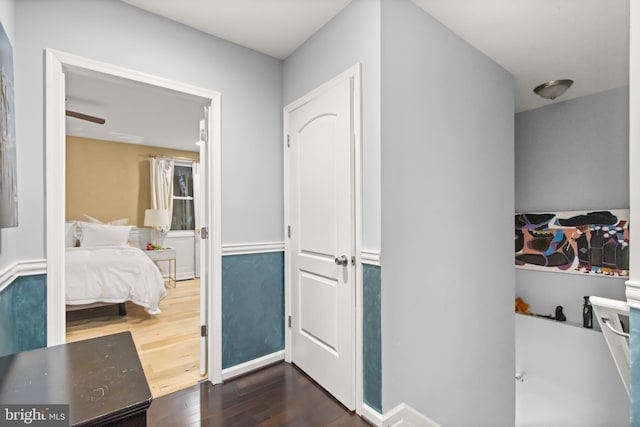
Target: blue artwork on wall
8, 185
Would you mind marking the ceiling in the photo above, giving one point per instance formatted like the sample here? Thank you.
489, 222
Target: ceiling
535, 40
274, 27
541, 40
135, 113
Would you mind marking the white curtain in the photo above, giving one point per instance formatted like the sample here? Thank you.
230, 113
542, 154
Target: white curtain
162, 186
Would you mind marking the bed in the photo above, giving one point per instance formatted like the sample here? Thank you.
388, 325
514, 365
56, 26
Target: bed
107, 271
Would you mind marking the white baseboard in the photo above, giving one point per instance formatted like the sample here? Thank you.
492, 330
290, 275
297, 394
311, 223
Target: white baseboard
252, 365
404, 415
374, 417
21, 268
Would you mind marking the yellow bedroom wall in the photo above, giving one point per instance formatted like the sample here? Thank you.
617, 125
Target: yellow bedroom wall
111, 180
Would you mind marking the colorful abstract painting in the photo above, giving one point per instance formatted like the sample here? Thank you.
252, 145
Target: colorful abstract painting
578, 242
8, 185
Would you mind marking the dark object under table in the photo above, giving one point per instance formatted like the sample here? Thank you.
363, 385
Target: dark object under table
101, 379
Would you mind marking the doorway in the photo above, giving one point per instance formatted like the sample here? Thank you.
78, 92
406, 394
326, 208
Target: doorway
59, 63
323, 274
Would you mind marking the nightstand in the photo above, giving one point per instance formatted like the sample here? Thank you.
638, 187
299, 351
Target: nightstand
165, 255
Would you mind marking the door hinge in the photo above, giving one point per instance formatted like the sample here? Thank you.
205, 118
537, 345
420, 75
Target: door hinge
288, 141
289, 231
289, 321
204, 233
204, 331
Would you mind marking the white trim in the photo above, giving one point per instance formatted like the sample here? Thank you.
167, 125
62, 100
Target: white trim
179, 233
353, 74
372, 416
287, 241
404, 415
32, 268
19, 269
394, 416
633, 285
213, 217
370, 257
56, 63
252, 365
356, 72
55, 153
633, 293
252, 248
8, 275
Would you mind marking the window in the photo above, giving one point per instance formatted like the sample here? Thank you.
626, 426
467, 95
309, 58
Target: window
183, 211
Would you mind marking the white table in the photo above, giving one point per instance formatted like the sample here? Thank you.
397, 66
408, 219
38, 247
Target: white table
162, 255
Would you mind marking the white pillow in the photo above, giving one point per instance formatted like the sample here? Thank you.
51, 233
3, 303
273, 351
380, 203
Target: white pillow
92, 219
121, 221
103, 234
70, 234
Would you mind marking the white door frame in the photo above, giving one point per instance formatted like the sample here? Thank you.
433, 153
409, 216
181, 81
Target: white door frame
55, 147
353, 73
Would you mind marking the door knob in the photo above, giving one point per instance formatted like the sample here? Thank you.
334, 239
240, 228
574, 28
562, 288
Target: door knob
343, 261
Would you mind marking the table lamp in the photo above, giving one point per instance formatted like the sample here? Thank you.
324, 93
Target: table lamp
156, 218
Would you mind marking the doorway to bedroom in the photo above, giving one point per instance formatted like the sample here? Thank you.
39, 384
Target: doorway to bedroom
137, 199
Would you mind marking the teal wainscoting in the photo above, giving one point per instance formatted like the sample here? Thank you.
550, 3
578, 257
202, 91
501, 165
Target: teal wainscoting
252, 306
23, 315
372, 338
634, 343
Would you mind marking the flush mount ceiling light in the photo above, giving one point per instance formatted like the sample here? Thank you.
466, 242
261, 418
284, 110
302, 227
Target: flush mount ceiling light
553, 89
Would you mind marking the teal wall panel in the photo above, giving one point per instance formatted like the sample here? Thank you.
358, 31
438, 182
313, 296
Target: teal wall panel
634, 343
252, 306
23, 315
372, 338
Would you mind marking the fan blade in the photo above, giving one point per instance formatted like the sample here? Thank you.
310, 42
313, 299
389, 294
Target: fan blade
86, 117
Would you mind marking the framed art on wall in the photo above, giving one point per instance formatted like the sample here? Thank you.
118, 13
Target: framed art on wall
578, 242
8, 178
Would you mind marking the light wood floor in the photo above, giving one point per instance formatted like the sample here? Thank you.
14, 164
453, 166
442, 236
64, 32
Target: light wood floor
168, 343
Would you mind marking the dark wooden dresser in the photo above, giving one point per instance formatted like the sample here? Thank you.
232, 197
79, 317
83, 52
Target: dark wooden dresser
101, 380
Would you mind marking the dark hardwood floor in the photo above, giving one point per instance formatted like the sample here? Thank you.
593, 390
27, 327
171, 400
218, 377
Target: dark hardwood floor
279, 395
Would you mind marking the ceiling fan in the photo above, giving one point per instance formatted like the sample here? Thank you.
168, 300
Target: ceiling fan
86, 117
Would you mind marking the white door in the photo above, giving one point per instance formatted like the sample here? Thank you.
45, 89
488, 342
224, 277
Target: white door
322, 242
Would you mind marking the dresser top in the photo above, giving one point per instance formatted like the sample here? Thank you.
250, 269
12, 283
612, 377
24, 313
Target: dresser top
99, 378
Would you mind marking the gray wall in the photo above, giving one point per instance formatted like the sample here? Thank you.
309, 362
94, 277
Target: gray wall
114, 32
353, 36
572, 155
8, 236
447, 214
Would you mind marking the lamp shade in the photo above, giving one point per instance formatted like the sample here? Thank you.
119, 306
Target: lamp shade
156, 218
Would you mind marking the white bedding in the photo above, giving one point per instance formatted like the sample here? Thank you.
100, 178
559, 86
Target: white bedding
112, 274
